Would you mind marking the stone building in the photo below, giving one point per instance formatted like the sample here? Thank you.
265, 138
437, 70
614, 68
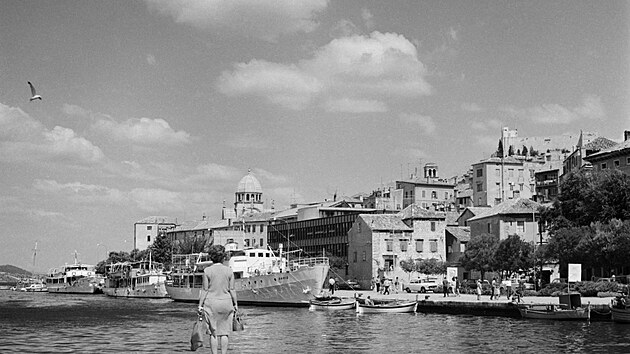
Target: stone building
616, 157
146, 230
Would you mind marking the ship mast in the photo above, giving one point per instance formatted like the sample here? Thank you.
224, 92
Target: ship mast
34, 255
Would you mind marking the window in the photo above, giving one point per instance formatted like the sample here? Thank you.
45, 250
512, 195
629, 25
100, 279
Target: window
433, 195
462, 247
390, 245
149, 227
498, 172
445, 195
479, 173
261, 242
433, 245
403, 245
616, 163
604, 166
424, 194
627, 160
246, 241
432, 225
510, 172
520, 226
520, 172
479, 187
419, 245
488, 227
148, 238
355, 256
262, 228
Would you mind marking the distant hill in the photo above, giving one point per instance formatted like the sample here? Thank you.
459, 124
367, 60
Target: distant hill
7, 268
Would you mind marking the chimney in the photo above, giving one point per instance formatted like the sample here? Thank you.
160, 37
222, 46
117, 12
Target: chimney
626, 135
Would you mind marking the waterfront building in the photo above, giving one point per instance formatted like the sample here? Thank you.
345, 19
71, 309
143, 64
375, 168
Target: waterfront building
429, 192
146, 230
512, 217
498, 179
586, 146
194, 231
616, 157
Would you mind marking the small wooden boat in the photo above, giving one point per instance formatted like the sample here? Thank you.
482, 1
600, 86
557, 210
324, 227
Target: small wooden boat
554, 312
620, 310
387, 307
331, 303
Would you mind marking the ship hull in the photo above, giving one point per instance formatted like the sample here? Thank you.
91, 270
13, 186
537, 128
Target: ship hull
149, 291
289, 289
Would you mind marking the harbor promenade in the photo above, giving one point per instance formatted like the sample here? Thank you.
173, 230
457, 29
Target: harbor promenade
467, 304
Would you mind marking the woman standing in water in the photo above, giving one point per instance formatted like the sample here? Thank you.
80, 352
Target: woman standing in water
217, 299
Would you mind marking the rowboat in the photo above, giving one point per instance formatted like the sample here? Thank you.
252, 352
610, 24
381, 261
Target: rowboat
620, 310
387, 307
331, 304
554, 312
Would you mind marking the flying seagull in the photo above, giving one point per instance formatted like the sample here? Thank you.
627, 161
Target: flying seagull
35, 95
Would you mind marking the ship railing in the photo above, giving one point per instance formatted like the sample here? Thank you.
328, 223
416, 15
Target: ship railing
308, 262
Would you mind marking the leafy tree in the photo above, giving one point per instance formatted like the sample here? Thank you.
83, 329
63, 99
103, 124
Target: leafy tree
338, 263
500, 148
430, 266
564, 246
524, 151
479, 254
193, 244
408, 266
162, 250
513, 254
511, 151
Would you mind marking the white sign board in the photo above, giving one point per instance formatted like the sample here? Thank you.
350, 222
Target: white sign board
575, 272
450, 273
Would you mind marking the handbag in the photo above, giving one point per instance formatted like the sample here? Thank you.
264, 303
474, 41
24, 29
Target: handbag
237, 322
197, 336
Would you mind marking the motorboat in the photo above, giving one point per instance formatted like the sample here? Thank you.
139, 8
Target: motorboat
332, 303
74, 278
554, 312
144, 279
620, 309
394, 306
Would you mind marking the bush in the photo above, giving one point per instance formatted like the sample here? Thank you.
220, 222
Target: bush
607, 294
585, 288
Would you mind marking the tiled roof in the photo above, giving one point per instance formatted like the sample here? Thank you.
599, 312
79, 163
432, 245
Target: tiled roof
462, 233
618, 147
193, 225
385, 222
414, 211
511, 206
600, 143
451, 217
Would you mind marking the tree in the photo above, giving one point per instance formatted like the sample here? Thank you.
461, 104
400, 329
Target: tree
513, 254
430, 266
479, 254
524, 151
500, 148
162, 250
193, 244
564, 246
408, 266
511, 151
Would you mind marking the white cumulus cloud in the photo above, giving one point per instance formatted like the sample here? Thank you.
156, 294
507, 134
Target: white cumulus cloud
357, 68
425, 122
590, 108
145, 131
267, 20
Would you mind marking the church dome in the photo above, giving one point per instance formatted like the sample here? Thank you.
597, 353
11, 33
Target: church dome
249, 184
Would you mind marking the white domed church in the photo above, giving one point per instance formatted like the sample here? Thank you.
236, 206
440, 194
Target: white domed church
247, 199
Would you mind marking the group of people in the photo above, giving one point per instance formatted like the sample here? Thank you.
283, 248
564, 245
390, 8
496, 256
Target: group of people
385, 286
451, 287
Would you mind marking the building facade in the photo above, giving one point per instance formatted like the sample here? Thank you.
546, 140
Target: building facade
146, 230
512, 217
616, 157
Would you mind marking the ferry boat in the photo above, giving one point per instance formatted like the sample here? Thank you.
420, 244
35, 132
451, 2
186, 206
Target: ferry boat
34, 287
75, 278
143, 279
261, 277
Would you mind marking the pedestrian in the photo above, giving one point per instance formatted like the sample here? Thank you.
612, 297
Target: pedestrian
445, 287
457, 285
478, 289
331, 285
378, 285
217, 299
396, 285
386, 284
369, 301
494, 287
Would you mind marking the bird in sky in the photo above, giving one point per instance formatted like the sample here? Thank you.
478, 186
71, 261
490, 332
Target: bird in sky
35, 95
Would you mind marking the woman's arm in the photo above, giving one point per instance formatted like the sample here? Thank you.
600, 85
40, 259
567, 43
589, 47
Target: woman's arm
204, 289
233, 292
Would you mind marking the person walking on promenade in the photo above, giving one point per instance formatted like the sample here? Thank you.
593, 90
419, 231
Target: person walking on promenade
492, 287
331, 285
457, 285
478, 289
396, 285
445, 287
386, 284
217, 299
377, 281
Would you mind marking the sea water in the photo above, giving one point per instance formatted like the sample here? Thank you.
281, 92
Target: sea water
63, 323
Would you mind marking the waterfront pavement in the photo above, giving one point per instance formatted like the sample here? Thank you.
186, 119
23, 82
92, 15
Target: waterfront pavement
465, 297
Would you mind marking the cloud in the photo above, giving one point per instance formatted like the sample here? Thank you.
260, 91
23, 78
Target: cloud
368, 18
151, 60
591, 108
24, 139
215, 171
267, 20
343, 28
411, 153
471, 107
285, 85
154, 200
74, 110
269, 177
355, 68
355, 106
143, 131
80, 192
424, 122
452, 32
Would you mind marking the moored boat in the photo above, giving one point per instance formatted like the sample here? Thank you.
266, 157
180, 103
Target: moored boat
143, 279
261, 277
75, 278
554, 312
332, 303
387, 307
620, 309
35, 288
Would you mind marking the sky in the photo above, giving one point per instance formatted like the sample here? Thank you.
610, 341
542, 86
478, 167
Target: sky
161, 107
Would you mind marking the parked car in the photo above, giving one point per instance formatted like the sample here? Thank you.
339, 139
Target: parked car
421, 285
348, 285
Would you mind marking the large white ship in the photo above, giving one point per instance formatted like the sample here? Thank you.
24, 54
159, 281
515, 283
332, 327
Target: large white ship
74, 278
261, 277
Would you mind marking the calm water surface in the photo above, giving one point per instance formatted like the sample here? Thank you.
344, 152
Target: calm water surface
42, 322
